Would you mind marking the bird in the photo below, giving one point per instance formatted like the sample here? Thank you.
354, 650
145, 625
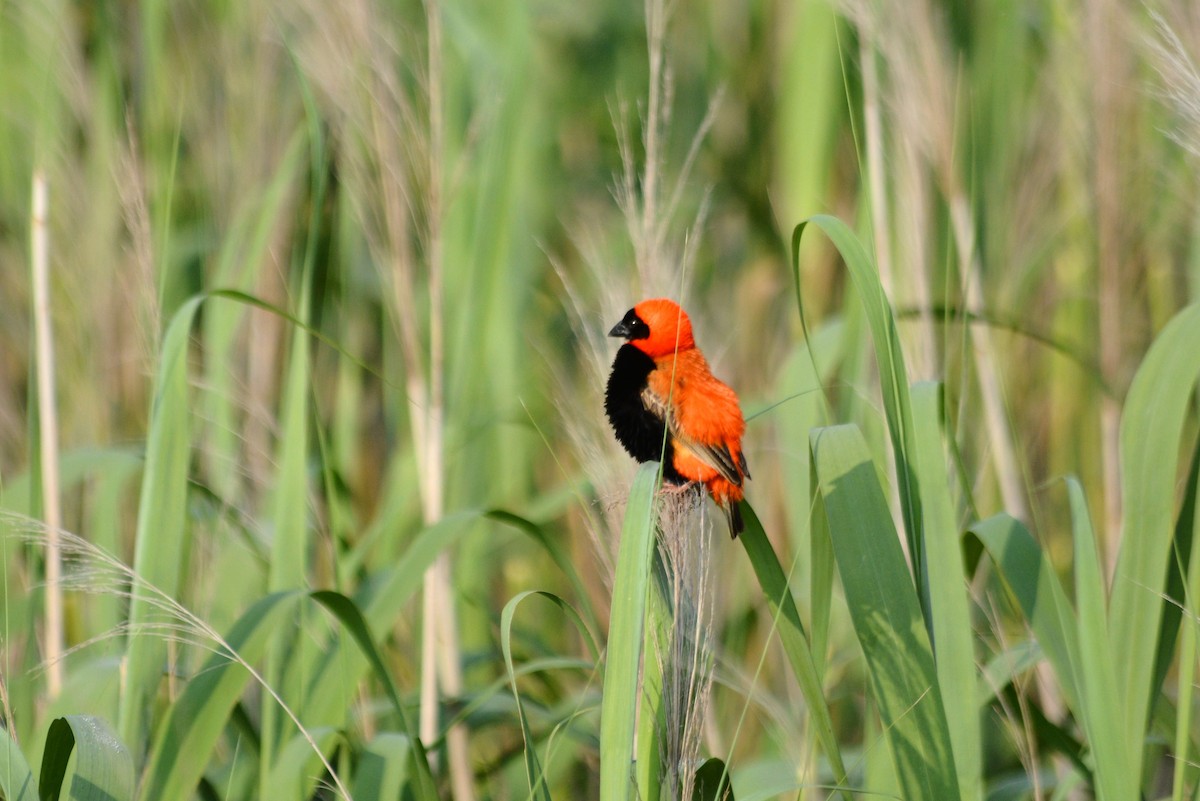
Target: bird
664, 404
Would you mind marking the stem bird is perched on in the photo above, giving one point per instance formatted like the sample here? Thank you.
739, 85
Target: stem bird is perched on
664, 403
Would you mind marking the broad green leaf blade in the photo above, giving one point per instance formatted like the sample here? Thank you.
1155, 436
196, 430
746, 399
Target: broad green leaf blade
948, 603
893, 376
774, 583
195, 721
288, 567
159, 553
16, 779
1111, 739
618, 712
1030, 577
1151, 430
382, 767
886, 614
103, 765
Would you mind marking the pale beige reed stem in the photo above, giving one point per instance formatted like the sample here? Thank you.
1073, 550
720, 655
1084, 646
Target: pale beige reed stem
440, 658
48, 426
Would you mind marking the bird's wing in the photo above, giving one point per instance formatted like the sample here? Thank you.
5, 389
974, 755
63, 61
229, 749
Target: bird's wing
714, 453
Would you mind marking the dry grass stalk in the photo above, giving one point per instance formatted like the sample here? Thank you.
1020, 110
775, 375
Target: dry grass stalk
48, 429
686, 659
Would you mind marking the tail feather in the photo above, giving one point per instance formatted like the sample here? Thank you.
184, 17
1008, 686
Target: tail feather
733, 516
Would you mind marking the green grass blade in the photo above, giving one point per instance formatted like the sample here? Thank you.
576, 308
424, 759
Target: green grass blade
1177, 599
893, 376
533, 768
1031, 579
1189, 520
16, 779
382, 767
1110, 736
287, 660
774, 583
289, 543
948, 603
296, 768
553, 544
348, 614
159, 552
1151, 430
103, 765
199, 715
656, 645
619, 710
886, 614
337, 668
822, 570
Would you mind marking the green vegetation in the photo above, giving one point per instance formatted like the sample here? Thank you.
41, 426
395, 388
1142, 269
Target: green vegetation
321, 501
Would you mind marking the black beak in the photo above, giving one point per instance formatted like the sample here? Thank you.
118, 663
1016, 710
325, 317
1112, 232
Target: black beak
631, 327
621, 329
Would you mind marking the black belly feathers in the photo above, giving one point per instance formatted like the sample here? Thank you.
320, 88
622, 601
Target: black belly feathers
639, 430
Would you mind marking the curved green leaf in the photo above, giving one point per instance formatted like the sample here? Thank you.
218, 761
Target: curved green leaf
103, 765
1151, 430
893, 376
159, 551
1108, 734
886, 614
533, 768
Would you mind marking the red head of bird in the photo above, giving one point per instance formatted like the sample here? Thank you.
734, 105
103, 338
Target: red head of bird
656, 327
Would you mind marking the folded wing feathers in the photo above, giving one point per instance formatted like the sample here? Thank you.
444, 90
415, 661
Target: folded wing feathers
715, 455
